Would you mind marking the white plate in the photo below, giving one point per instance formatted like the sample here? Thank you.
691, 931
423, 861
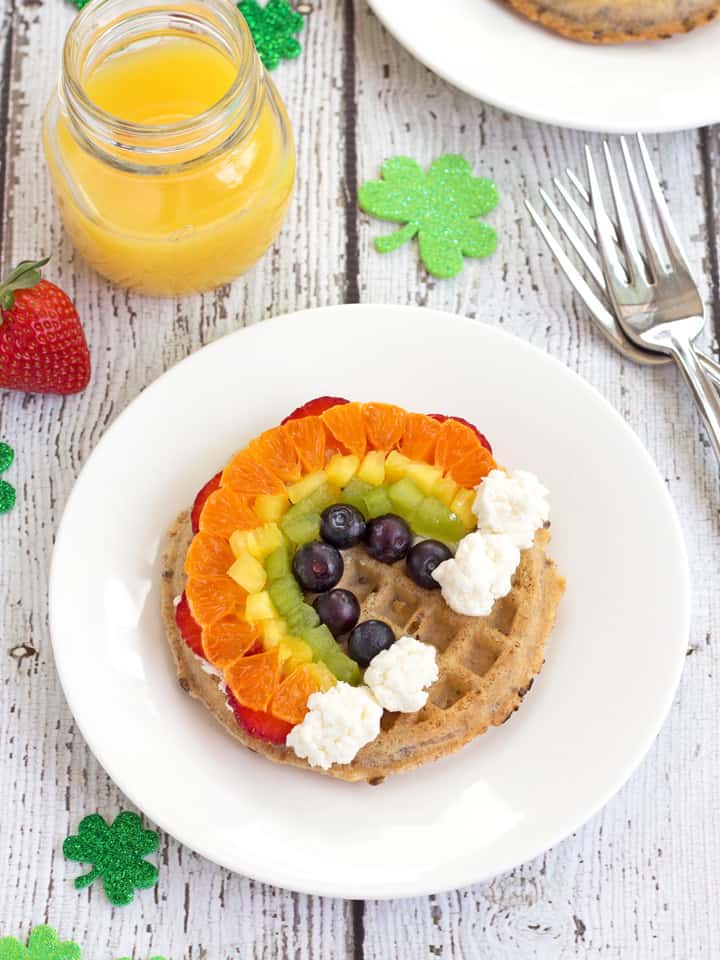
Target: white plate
612, 663
490, 51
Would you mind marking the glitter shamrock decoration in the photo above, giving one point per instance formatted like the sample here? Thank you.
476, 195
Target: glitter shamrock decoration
439, 206
43, 944
7, 491
117, 853
272, 28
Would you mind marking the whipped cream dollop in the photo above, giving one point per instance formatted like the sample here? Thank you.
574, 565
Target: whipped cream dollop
338, 723
399, 675
514, 504
479, 573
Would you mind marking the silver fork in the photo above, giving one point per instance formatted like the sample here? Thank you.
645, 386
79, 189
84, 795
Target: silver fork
595, 299
655, 299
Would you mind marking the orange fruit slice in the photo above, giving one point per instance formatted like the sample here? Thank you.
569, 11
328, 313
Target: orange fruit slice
248, 477
384, 424
454, 442
214, 598
419, 437
253, 680
310, 439
275, 450
470, 469
225, 511
227, 639
290, 701
208, 556
347, 424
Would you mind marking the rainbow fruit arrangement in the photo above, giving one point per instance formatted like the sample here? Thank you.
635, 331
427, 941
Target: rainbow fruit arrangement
269, 531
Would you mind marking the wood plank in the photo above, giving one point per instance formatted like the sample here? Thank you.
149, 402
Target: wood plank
641, 878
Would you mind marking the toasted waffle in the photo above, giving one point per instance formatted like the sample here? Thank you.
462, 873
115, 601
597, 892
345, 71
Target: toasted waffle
486, 664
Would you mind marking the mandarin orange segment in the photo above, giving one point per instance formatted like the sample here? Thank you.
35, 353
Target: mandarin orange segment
275, 450
470, 469
347, 424
208, 556
454, 442
290, 700
212, 599
419, 437
225, 511
384, 425
253, 680
310, 438
247, 476
227, 639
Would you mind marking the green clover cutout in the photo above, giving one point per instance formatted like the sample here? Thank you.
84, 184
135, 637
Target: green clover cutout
440, 206
272, 28
7, 490
117, 853
43, 944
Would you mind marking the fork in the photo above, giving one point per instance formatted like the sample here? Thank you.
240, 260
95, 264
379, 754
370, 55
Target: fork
655, 299
596, 302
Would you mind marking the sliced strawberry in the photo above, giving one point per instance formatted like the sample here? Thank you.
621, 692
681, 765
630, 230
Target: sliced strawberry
442, 417
258, 724
190, 629
313, 408
210, 487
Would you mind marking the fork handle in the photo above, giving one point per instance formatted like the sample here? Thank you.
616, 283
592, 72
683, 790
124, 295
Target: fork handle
704, 394
712, 367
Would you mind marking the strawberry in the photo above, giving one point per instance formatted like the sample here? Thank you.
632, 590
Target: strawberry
210, 487
259, 724
313, 408
42, 345
441, 418
190, 629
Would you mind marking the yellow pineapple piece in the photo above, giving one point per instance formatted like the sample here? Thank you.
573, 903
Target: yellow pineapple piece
372, 469
248, 572
424, 476
294, 652
341, 469
238, 542
396, 466
462, 506
325, 678
259, 606
263, 540
271, 507
273, 631
445, 490
303, 488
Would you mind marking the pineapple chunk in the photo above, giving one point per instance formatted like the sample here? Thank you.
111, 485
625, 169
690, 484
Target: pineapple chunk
270, 507
396, 467
424, 476
325, 678
340, 470
248, 572
372, 469
259, 606
273, 631
445, 490
294, 652
303, 488
263, 540
462, 506
238, 542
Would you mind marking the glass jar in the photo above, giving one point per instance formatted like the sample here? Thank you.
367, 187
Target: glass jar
170, 151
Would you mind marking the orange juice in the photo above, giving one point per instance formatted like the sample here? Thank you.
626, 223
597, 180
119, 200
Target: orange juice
188, 180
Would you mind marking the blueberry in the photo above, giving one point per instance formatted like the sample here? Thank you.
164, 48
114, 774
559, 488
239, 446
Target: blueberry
317, 566
339, 610
387, 538
422, 560
342, 525
368, 639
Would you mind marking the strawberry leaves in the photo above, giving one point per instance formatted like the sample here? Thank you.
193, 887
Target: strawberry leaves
117, 852
25, 276
440, 207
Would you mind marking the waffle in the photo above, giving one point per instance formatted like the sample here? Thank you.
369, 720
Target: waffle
486, 664
619, 21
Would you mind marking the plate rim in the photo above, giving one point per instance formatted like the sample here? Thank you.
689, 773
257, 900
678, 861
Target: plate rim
284, 878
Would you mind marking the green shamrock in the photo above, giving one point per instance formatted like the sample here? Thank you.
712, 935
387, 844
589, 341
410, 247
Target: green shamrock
272, 28
439, 206
7, 490
42, 944
117, 853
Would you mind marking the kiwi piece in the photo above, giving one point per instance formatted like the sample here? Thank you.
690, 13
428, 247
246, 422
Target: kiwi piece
301, 528
433, 519
377, 502
285, 594
301, 618
354, 494
320, 641
340, 664
405, 497
277, 564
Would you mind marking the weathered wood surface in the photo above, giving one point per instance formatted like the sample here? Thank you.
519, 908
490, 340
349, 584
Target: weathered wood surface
642, 879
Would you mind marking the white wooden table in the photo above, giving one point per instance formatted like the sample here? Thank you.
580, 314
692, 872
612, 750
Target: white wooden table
642, 878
